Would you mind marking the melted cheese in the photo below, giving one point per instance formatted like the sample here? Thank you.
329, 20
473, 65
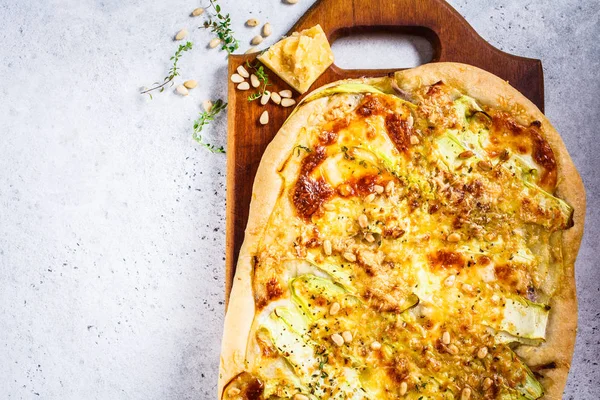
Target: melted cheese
300, 58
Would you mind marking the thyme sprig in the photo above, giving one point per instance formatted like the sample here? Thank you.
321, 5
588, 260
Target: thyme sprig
173, 72
222, 28
203, 119
262, 76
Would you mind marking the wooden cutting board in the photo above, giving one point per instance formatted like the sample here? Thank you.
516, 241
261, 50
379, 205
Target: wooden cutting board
451, 37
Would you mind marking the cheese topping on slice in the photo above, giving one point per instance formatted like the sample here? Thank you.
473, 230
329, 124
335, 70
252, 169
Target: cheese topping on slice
410, 249
301, 58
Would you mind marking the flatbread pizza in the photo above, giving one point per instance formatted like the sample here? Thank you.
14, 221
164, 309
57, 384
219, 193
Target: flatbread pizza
410, 236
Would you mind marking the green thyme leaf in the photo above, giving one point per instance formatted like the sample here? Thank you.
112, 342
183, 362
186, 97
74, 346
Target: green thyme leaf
204, 119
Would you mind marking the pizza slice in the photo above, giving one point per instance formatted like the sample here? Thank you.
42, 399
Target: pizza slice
411, 236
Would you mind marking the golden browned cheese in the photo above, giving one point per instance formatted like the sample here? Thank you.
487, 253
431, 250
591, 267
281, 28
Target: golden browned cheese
408, 253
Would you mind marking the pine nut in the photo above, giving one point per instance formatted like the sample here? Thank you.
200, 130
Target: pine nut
482, 352
299, 396
370, 238
376, 345
327, 247
335, 308
329, 207
446, 338
251, 50
466, 287
264, 99
452, 349
235, 78
234, 391
403, 388
389, 188
337, 339
242, 71
197, 12
370, 198
349, 256
256, 40
465, 394
190, 84
207, 105
243, 86
466, 154
181, 34
182, 90
291, 1
266, 30
286, 93
449, 281
347, 336
254, 81
487, 383
276, 97
363, 221
287, 102
252, 22
214, 43
484, 165
378, 189
453, 237
414, 140
264, 118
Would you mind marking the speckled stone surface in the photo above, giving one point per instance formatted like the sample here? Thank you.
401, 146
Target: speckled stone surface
112, 218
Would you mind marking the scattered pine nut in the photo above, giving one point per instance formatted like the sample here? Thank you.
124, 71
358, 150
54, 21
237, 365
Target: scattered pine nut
291, 1
403, 388
182, 90
181, 34
482, 352
484, 165
466, 154
256, 40
251, 50
327, 247
190, 84
254, 81
237, 78
264, 118
207, 105
452, 349
454, 237
264, 99
337, 339
286, 94
347, 336
450, 280
465, 394
252, 22
276, 97
487, 383
363, 221
414, 140
243, 86
197, 12
214, 43
288, 102
378, 189
376, 345
242, 71
370, 197
370, 238
266, 30
349, 256
335, 308
299, 396
446, 337
389, 188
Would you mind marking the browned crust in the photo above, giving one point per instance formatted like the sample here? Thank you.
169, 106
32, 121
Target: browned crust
487, 89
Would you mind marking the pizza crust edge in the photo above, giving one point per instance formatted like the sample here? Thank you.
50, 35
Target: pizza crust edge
487, 89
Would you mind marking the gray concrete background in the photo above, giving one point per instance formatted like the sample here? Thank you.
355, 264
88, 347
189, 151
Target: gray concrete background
112, 218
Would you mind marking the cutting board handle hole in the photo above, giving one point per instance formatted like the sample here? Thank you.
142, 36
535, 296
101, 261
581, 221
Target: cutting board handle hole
382, 50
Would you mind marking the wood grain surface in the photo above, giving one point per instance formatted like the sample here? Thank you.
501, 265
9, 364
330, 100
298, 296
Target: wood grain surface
451, 37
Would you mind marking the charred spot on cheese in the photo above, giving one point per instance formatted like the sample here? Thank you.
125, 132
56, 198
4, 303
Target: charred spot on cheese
244, 386
446, 259
399, 131
309, 193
